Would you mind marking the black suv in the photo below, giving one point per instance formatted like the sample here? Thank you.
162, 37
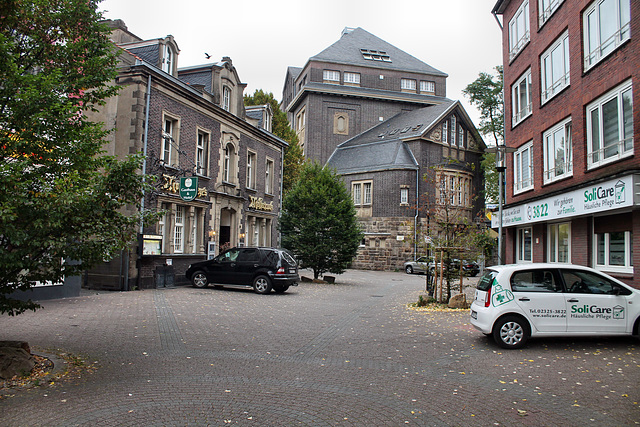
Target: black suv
262, 268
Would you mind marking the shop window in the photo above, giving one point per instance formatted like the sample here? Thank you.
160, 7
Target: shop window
554, 68
559, 242
606, 25
610, 127
614, 251
524, 247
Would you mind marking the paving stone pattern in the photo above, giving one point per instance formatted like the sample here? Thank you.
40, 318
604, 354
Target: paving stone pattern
347, 354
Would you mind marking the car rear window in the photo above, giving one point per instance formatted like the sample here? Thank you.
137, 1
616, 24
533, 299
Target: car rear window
485, 282
288, 258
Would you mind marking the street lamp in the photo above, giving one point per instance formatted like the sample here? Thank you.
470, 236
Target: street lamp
501, 166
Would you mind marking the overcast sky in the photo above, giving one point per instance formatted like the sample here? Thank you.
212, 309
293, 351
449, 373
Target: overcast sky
263, 38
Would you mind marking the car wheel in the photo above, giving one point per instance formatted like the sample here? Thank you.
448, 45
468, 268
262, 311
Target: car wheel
281, 289
199, 279
511, 332
409, 269
262, 285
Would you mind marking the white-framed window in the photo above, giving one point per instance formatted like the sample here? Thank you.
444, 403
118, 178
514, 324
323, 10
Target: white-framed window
445, 131
331, 76
366, 193
404, 196
559, 242
251, 170
546, 9
194, 233
454, 189
519, 34
362, 193
453, 130
167, 60
178, 230
408, 84
523, 168
202, 153
521, 101
460, 136
613, 251
268, 178
606, 24
558, 152
301, 120
524, 248
554, 68
352, 78
169, 151
228, 165
610, 126
162, 226
226, 98
427, 86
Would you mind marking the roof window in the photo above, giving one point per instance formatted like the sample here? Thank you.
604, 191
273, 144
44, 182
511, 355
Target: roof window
375, 55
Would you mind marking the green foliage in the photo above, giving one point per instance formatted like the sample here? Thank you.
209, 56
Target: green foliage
486, 93
293, 155
61, 199
319, 223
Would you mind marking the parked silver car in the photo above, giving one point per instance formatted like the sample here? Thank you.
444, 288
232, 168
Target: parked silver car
417, 266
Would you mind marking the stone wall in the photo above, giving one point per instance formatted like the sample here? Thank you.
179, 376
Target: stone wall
387, 244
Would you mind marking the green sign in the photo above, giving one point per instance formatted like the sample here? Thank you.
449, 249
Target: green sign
188, 188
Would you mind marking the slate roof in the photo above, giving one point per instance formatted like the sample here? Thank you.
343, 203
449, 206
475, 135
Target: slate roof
149, 53
383, 146
347, 51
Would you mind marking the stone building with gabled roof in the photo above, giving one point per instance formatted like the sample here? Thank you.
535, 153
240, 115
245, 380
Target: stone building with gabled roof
353, 85
385, 166
382, 119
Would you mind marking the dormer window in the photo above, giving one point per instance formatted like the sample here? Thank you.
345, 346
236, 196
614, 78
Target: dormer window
226, 98
167, 60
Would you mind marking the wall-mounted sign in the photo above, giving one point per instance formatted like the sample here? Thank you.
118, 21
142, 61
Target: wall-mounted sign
188, 188
151, 244
598, 198
172, 185
259, 204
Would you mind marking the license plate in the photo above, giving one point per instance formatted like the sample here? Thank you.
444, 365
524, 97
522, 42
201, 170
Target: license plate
474, 315
292, 271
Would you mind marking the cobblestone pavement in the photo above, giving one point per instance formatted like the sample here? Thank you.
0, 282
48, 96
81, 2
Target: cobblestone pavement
347, 354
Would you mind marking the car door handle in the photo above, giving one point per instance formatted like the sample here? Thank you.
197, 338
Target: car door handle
524, 299
573, 300
233, 264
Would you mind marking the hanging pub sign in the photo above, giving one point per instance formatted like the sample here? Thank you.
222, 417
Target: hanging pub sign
188, 188
172, 185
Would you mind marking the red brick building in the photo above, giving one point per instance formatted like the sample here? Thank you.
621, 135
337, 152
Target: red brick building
571, 79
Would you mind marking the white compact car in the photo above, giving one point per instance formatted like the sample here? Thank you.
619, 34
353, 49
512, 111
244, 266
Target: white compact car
515, 302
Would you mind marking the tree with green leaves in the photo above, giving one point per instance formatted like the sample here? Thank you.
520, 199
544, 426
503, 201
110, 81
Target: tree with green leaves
293, 155
61, 199
485, 92
319, 223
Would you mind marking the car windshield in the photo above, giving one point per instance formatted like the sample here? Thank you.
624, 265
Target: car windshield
485, 282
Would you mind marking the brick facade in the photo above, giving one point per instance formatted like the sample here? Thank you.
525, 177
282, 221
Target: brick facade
586, 84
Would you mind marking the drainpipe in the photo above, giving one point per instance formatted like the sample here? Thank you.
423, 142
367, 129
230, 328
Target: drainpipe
415, 219
144, 171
